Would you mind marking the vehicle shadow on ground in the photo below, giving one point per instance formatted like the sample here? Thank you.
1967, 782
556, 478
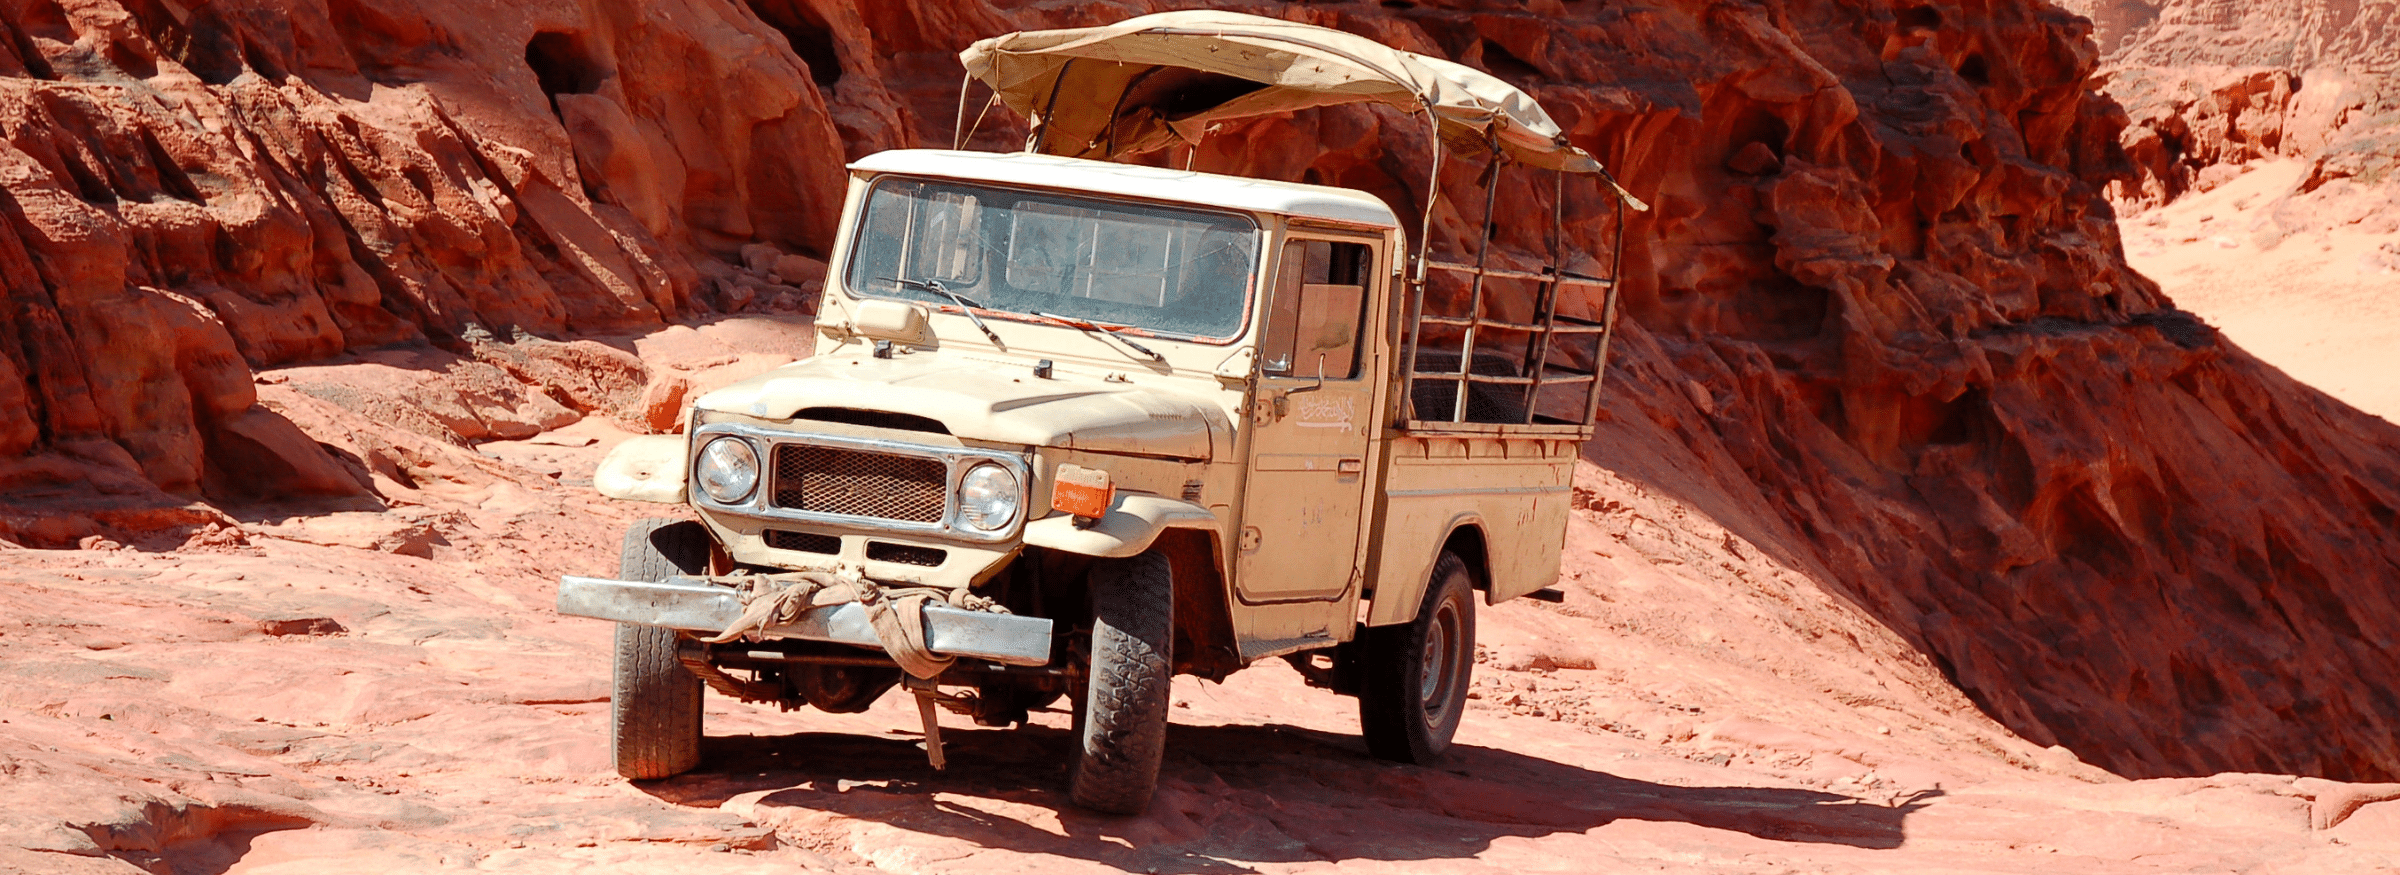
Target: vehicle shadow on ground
1236, 795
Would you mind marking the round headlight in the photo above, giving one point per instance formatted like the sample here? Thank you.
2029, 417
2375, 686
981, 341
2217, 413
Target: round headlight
988, 497
728, 469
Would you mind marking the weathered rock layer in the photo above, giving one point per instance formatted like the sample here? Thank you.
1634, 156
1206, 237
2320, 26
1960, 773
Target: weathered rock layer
1880, 301
2212, 85
193, 192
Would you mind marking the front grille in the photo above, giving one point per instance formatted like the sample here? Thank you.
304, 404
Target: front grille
906, 554
805, 542
857, 483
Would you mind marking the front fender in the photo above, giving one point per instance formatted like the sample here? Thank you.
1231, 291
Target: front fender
1131, 524
647, 468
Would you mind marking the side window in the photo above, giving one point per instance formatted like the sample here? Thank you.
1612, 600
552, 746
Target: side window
1319, 305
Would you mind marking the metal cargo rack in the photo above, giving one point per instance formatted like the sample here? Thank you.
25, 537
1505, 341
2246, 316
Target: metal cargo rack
1463, 377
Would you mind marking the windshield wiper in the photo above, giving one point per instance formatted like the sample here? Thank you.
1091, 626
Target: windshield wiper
965, 305
1111, 333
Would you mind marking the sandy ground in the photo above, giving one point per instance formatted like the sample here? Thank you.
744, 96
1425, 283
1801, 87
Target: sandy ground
289, 695
2323, 305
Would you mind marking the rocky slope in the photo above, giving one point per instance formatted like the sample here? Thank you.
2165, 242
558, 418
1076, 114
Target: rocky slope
390, 692
1881, 306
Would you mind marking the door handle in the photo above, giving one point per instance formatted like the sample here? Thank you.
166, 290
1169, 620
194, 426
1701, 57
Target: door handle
1351, 466
1320, 379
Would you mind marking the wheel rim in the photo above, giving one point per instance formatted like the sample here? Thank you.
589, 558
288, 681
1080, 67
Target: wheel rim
1440, 672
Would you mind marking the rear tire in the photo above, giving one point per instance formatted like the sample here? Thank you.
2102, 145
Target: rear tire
1121, 730
1413, 687
654, 706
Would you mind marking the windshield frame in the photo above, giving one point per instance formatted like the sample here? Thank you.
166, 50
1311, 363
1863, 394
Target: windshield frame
1260, 232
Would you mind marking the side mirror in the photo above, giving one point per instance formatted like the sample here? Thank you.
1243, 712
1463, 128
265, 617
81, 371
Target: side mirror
895, 321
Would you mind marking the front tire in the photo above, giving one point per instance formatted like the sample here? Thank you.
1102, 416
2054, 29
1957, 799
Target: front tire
654, 706
1121, 733
1415, 674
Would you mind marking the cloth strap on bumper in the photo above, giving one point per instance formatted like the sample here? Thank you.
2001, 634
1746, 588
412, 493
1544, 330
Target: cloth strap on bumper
897, 613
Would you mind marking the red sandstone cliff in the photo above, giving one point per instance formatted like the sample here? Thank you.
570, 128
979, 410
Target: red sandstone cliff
1880, 307
195, 191
2211, 85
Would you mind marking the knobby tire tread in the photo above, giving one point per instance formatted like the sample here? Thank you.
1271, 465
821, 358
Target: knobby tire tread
1122, 736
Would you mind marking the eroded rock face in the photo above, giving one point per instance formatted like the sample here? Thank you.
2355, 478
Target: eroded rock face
1883, 295
2212, 85
1880, 303
195, 192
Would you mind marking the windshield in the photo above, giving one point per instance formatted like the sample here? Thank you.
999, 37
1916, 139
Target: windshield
1159, 269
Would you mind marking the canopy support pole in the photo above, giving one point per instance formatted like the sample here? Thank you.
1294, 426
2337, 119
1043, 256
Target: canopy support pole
1608, 311
1483, 251
1545, 307
1041, 136
1416, 280
962, 132
958, 129
1115, 112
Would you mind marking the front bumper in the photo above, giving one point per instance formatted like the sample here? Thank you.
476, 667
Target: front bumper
699, 605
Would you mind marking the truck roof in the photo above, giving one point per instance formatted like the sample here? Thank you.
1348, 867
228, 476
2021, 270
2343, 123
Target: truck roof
1130, 180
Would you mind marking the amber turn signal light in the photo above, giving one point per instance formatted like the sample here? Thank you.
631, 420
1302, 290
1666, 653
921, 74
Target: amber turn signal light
1084, 492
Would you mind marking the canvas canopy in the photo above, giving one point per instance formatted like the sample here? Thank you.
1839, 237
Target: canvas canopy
1145, 83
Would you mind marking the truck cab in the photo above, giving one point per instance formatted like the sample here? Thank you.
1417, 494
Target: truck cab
1078, 426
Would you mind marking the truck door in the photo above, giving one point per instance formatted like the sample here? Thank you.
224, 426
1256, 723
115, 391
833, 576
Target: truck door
1311, 420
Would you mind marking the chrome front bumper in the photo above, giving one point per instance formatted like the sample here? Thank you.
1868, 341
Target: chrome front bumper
694, 604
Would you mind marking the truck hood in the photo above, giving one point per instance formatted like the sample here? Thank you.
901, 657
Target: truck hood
990, 399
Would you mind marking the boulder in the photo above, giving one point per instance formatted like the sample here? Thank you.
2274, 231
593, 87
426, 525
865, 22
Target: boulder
663, 403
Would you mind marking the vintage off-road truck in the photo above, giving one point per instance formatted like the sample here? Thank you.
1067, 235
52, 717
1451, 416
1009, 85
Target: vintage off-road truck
1078, 426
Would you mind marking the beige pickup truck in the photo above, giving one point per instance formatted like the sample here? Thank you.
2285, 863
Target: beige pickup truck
1080, 425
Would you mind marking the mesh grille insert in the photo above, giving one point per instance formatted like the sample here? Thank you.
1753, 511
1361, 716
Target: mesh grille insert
882, 551
805, 542
857, 483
